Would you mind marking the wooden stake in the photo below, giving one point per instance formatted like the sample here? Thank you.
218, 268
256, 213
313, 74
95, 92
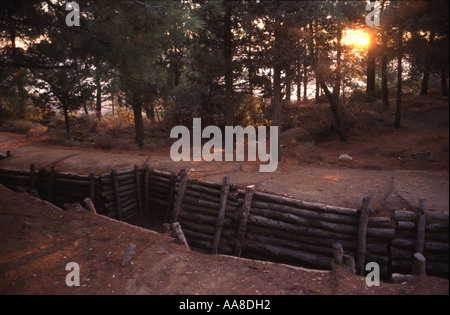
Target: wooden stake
51, 183
418, 265
180, 195
90, 205
32, 176
176, 228
138, 188
115, 181
421, 222
338, 253
243, 224
221, 214
92, 187
146, 189
131, 250
362, 234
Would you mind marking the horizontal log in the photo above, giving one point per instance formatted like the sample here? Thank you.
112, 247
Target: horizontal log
198, 195
314, 223
208, 211
269, 223
327, 251
379, 222
436, 246
405, 243
122, 173
437, 269
401, 254
305, 205
14, 172
381, 232
437, 236
200, 202
204, 190
335, 218
161, 173
406, 225
299, 257
304, 239
68, 176
201, 228
437, 227
437, 216
197, 217
161, 179
194, 235
403, 215
377, 248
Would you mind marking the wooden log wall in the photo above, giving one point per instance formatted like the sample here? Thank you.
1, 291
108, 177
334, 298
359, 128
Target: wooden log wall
221, 218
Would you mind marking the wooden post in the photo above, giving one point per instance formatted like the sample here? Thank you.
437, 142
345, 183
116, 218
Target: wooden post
51, 183
115, 181
243, 224
92, 187
32, 176
350, 262
138, 187
418, 265
421, 222
180, 195
176, 228
146, 189
362, 234
90, 205
173, 180
338, 253
221, 215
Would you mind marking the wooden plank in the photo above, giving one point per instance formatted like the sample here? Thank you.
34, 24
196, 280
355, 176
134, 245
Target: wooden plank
421, 224
221, 215
362, 235
115, 182
244, 220
180, 194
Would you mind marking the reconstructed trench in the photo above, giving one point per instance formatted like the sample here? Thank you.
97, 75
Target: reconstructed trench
223, 218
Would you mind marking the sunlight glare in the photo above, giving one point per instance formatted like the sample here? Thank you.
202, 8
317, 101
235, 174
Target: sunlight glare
356, 38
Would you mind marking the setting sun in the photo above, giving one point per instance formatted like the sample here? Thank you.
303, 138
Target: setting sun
356, 38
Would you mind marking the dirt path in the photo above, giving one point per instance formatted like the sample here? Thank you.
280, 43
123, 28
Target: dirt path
338, 182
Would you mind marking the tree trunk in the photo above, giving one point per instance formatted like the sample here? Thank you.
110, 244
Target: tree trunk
384, 62
398, 113
228, 56
98, 102
138, 124
370, 90
66, 120
305, 83
299, 81
427, 71
384, 82
425, 80
149, 111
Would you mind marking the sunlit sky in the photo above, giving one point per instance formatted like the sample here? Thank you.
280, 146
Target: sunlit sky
356, 38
